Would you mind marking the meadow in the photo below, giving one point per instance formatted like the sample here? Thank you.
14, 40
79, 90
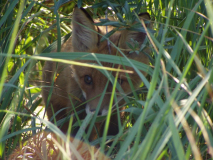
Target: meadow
169, 117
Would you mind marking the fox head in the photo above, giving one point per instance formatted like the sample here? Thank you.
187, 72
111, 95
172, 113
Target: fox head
91, 81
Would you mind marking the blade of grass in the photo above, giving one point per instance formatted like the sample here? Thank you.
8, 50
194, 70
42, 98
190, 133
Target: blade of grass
11, 45
9, 10
109, 113
176, 138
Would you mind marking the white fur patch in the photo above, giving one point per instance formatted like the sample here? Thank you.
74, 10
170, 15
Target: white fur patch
76, 77
84, 94
104, 112
88, 110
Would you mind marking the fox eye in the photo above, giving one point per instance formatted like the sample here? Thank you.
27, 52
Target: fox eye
120, 81
88, 80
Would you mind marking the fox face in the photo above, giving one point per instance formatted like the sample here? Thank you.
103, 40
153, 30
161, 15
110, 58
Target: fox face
86, 38
74, 84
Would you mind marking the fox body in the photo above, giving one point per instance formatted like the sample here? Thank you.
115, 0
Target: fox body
74, 84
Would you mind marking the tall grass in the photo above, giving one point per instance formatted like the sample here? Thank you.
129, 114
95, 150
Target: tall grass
175, 120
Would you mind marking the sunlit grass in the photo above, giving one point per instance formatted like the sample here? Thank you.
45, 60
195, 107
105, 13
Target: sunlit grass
169, 118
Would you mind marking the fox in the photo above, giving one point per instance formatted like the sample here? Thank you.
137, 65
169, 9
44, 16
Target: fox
76, 85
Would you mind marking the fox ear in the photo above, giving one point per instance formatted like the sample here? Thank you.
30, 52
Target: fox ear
144, 16
83, 35
138, 36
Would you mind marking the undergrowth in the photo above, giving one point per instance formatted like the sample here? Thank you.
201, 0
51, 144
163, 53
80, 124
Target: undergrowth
170, 117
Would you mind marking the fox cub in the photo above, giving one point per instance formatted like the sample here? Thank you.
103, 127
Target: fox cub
74, 85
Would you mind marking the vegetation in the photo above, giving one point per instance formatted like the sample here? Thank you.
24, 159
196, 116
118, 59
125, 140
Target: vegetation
175, 120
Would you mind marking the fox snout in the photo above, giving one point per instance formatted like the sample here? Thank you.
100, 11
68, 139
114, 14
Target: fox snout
100, 113
93, 105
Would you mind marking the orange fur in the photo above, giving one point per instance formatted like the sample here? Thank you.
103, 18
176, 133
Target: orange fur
74, 81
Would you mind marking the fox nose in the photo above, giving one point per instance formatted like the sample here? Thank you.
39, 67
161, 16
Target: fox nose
93, 110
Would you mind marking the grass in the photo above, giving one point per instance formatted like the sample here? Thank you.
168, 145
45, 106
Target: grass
175, 120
